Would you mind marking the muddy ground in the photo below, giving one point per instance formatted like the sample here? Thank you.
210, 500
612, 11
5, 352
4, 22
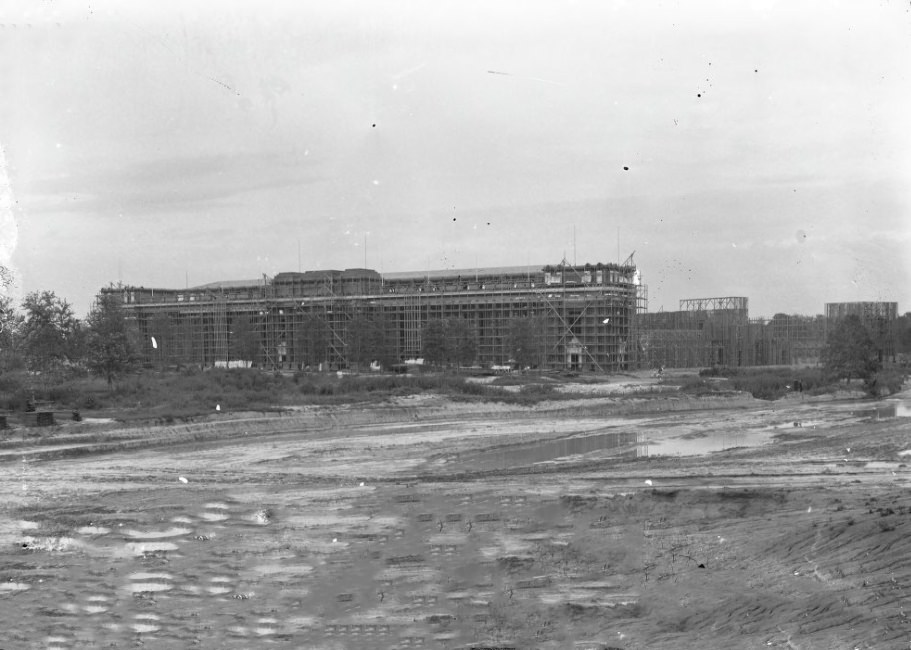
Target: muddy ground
614, 521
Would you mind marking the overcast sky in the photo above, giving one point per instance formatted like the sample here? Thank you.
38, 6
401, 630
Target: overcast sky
757, 149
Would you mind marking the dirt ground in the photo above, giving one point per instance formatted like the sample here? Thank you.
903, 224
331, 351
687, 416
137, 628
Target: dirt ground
614, 521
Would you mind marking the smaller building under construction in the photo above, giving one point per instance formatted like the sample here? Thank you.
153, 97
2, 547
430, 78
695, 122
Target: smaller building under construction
719, 332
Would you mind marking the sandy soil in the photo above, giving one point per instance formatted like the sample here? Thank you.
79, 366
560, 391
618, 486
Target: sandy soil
616, 521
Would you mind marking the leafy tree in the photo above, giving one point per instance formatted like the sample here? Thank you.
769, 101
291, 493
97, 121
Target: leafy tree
112, 341
461, 342
311, 337
10, 324
244, 341
50, 332
523, 342
449, 341
369, 339
850, 350
433, 342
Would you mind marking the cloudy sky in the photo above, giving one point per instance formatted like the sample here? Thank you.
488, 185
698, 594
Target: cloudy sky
758, 149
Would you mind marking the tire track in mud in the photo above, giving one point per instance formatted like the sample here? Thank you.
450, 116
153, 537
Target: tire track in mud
185, 572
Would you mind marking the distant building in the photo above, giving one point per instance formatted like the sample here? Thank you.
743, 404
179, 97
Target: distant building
719, 332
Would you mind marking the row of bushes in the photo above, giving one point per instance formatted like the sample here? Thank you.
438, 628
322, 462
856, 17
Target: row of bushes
774, 383
188, 392
887, 381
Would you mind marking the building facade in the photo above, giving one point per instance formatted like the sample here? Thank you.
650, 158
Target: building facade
577, 317
589, 317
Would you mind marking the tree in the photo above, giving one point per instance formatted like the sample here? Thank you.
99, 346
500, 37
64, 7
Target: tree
449, 341
244, 339
850, 350
369, 339
523, 342
10, 324
311, 338
112, 342
433, 342
461, 342
49, 332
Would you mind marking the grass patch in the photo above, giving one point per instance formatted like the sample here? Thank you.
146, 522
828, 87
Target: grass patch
181, 396
770, 383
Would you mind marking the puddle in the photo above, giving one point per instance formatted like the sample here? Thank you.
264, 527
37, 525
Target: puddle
93, 530
151, 576
541, 452
148, 587
157, 534
881, 464
48, 543
885, 410
141, 548
144, 628
284, 569
320, 521
705, 445
614, 445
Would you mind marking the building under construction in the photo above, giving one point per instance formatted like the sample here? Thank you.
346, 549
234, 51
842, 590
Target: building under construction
719, 332
576, 317
569, 317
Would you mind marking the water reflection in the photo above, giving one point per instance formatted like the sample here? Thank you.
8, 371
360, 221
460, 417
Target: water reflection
707, 444
886, 410
614, 445
621, 444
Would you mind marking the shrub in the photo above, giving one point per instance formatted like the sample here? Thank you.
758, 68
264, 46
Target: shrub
540, 390
770, 383
768, 387
719, 371
885, 382
699, 386
90, 402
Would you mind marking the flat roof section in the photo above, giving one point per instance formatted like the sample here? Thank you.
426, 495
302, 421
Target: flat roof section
465, 273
